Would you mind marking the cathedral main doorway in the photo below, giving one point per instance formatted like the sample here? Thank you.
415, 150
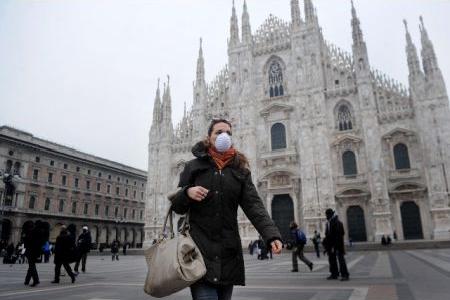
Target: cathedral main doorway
283, 213
412, 225
356, 224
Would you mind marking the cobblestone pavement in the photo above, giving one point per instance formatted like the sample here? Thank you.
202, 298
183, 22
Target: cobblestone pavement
386, 275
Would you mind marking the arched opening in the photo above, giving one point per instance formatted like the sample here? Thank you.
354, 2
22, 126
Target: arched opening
356, 224
278, 136
349, 163
401, 157
54, 232
103, 236
133, 238
27, 226
123, 235
94, 234
411, 222
138, 239
283, 213
6, 230
113, 235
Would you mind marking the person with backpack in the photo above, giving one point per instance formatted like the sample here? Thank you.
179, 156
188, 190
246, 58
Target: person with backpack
298, 243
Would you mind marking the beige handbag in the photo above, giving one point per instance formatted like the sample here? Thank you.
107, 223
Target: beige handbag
174, 262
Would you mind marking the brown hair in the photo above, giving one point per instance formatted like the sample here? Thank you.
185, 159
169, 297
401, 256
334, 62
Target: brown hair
242, 159
217, 121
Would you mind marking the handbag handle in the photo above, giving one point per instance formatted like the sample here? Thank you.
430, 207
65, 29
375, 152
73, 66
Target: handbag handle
185, 226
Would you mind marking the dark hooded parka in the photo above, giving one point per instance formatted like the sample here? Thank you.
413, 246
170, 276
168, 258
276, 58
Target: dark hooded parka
213, 221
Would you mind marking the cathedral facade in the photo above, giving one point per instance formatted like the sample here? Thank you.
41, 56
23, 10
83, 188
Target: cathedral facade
321, 129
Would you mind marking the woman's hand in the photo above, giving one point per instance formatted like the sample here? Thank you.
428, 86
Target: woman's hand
197, 193
276, 246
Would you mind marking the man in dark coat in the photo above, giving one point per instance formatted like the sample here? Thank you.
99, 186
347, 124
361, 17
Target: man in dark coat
64, 254
34, 239
115, 250
84, 246
213, 186
334, 246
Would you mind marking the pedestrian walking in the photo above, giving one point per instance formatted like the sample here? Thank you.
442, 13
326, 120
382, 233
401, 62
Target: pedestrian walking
124, 248
8, 258
33, 238
115, 250
316, 239
213, 185
83, 248
22, 251
64, 254
334, 246
47, 251
298, 240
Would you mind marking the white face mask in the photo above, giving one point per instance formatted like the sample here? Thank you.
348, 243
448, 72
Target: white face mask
223, 142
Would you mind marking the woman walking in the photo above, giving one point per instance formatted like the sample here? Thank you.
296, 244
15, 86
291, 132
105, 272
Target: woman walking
33, 241
64, 253
213, 185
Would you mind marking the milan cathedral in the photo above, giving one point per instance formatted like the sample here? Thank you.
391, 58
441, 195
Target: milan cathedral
321, 128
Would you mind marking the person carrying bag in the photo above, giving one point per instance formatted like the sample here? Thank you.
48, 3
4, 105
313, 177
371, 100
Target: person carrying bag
174, 262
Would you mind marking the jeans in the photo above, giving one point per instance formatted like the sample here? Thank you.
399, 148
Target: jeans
204, 291
298, 252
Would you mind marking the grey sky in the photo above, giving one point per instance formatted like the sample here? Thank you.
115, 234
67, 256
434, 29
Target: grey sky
83, 72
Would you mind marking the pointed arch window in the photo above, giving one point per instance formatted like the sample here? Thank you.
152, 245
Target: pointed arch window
344, 118
275, 79
8, 166
349, 163
401, 157
278, 136
16, 170
47, 204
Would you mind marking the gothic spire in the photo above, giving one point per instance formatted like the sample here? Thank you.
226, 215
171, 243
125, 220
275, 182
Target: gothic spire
360, 55
356, 28
429, 59
411, 54
234, 29
295, 14
167, 103
200, 66
310, 12
246, 29
156, 108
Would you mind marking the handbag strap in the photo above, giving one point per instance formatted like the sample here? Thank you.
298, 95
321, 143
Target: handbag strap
185, 226
169, 216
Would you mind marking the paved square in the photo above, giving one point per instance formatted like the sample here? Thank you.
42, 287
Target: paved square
405, 275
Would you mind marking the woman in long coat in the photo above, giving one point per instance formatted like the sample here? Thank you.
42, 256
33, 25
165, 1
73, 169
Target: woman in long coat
213, 185
65, 253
